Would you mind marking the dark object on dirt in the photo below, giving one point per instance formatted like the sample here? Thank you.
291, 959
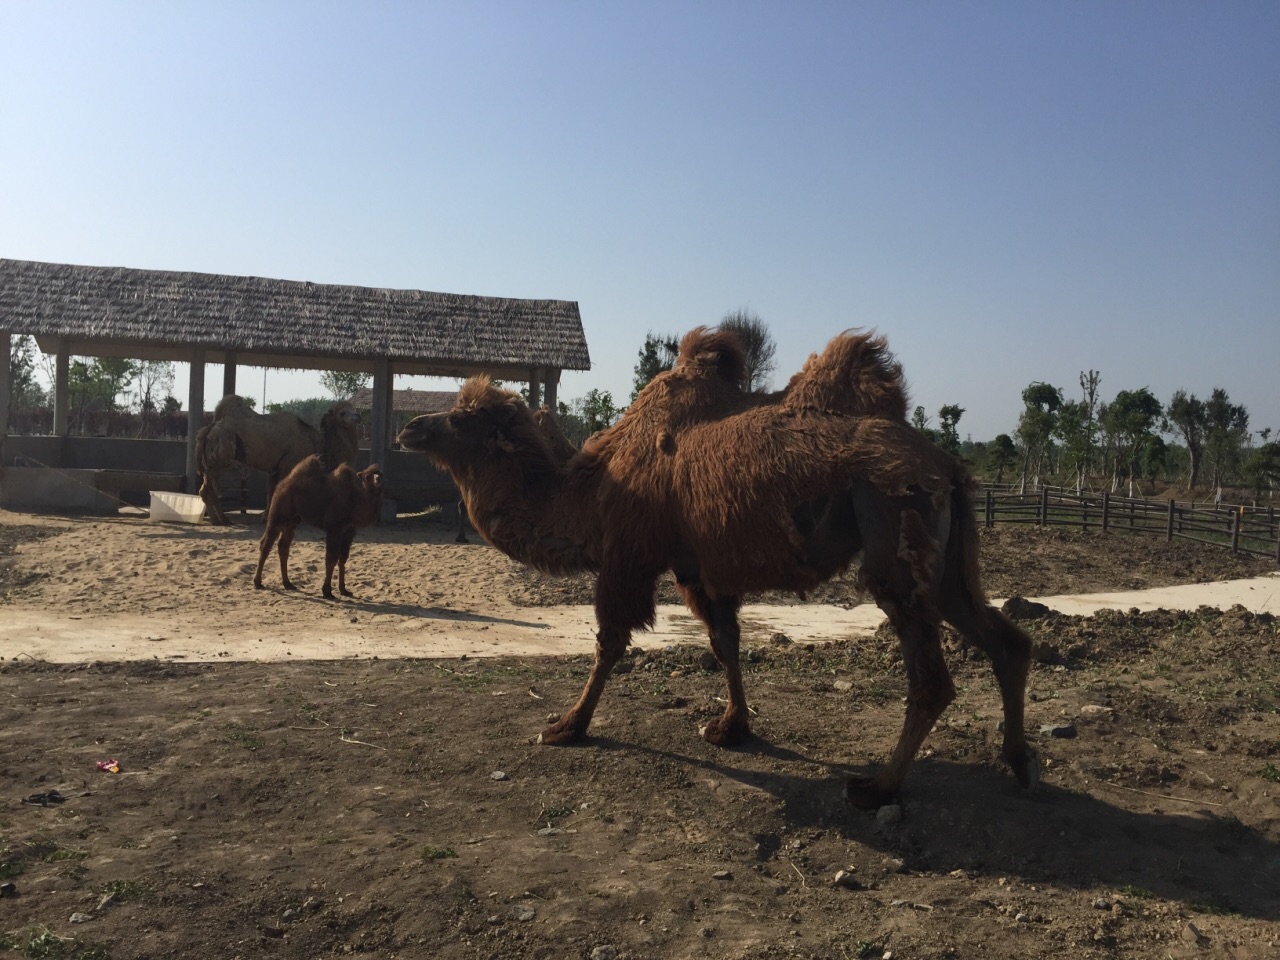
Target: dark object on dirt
47, 799
1059, 731
339, 502
1020, 608
8, 890
274, 442
736, 492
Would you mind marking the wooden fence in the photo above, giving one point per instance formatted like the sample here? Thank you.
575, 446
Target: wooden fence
1240, 527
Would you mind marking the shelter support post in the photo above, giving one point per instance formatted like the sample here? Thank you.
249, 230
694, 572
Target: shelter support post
229, 373
553, 382
61, 381
6, 384
380, 429
535, 388
195, 415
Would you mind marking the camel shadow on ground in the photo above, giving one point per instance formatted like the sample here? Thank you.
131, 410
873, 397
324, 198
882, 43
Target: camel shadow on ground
410, 610
973, 817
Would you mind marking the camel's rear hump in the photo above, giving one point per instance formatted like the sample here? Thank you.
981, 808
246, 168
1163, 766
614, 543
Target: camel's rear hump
855, 375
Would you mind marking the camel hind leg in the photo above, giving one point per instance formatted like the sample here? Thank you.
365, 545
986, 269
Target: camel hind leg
900, 568
212, 498
1007, 646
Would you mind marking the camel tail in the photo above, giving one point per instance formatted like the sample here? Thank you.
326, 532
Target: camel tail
856, 375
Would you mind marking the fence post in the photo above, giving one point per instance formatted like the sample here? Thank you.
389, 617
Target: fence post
1044, 505
991, 509
1237, 521
1169, 530
1106, 508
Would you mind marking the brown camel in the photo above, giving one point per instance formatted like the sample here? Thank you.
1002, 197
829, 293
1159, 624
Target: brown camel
337, 501
735, 492
273, 442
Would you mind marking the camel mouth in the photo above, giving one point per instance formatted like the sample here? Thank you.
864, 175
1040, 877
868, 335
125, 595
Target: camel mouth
416, 437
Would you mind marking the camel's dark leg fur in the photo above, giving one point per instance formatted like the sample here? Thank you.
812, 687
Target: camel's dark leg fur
929, 692
286, 540
721, 618
611, 646
624, 602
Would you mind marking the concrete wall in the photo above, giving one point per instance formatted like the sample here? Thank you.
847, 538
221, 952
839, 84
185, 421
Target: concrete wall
411, 479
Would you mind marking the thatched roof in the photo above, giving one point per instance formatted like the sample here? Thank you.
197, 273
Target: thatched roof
163, 315
412, 401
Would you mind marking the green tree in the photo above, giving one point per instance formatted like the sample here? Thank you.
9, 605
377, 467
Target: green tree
1036, 425
1001, 455
1187, 414
656, 355
1262, 468
1226, 428
948, 436
1131, 420
344, 384
155, 378
24, 391
757, 344
588, 414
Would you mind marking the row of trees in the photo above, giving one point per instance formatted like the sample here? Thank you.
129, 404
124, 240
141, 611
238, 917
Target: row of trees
1083, 443
105, 395
1090, 441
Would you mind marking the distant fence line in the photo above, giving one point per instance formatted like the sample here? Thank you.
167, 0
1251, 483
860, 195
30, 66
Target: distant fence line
1243, 528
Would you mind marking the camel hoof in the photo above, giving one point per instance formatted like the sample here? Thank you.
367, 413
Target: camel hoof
257, 584
554, 735
346, 593
1027, 769
718, 733
865, 794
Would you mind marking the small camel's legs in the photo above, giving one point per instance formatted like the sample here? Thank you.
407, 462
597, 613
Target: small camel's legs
721, 617
286, 540
611, 646
929, 691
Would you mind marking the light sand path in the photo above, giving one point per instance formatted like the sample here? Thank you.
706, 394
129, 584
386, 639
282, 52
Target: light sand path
361, 630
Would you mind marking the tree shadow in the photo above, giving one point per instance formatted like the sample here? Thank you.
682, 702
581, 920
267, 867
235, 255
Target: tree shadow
974, 817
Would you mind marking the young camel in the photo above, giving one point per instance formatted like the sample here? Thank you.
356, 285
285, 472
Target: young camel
338, 501
735, 492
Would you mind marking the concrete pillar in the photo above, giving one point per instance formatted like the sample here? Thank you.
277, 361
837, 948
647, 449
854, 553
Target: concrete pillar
6, 383
380, 429
61, 388
535, 388
553, 384
229, 373
195, 415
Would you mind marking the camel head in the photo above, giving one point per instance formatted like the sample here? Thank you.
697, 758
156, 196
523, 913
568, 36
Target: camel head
486, 425
342, 410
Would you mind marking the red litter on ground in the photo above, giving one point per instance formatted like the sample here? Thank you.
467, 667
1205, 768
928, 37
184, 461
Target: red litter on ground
109, 766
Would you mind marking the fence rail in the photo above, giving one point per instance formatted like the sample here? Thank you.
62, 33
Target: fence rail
1242, 528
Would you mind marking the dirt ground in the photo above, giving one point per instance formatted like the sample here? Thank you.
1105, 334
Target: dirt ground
400, 808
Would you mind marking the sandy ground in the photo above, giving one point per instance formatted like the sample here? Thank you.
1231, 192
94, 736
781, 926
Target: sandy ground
516, 631
390, 800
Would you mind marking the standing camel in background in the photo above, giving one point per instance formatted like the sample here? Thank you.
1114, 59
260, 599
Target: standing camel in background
736, 492
272, 442
338, 501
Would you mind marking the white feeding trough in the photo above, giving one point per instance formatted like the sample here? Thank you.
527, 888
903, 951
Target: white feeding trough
176, 507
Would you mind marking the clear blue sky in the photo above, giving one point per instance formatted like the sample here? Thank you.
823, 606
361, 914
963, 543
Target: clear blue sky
1010, 191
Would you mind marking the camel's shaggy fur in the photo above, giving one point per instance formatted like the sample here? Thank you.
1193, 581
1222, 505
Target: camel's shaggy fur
273, 442
338, 501
735, 492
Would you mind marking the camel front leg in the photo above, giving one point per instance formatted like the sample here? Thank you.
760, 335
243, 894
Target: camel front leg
611, 646
212, 498
721, 618
929, 691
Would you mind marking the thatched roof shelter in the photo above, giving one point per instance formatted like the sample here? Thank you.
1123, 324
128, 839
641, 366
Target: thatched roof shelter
203, 318
413, 402
164, 315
